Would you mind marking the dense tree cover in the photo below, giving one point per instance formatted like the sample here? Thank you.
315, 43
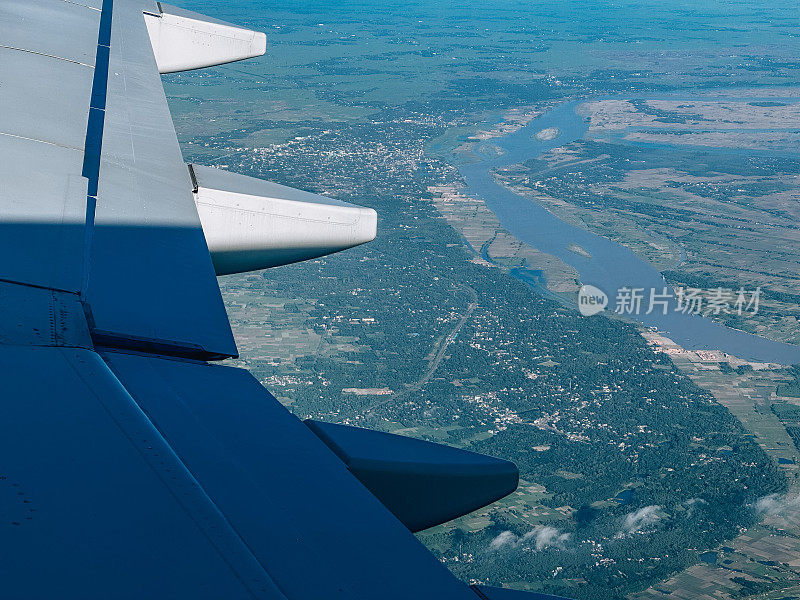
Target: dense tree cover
524, 372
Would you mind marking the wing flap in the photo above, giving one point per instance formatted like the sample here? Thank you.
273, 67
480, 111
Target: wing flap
151, 281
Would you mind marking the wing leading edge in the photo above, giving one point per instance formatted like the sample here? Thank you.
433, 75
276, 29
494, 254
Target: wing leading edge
134, 468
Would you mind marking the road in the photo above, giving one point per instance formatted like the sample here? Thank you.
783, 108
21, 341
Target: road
438, 357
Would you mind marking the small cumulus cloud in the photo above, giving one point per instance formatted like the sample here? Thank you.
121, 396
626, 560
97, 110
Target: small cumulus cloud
641, 519
546, 537
504, 539
539, 538
775, 505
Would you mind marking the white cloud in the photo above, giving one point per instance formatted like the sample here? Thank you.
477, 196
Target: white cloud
504, 539
778, 505
546, 537
539, 538
641, 519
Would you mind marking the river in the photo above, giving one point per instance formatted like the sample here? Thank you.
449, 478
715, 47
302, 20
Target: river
609, 265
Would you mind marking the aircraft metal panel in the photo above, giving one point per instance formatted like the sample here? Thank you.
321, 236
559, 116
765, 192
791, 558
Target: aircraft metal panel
42, 214
51, 27
45, 98
314, 527
34, 316
95, 4
152, 290
95, 504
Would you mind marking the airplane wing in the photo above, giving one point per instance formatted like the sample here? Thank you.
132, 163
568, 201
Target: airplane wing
132, 466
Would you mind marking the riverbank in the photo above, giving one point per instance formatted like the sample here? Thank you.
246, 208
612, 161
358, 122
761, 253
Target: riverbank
605, 264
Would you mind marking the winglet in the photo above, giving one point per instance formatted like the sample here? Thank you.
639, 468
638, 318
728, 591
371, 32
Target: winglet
183, 40
423, 484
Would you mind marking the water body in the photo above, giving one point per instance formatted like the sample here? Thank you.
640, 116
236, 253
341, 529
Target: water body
608, 266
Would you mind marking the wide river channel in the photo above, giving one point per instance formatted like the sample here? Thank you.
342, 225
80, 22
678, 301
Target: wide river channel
609, 265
